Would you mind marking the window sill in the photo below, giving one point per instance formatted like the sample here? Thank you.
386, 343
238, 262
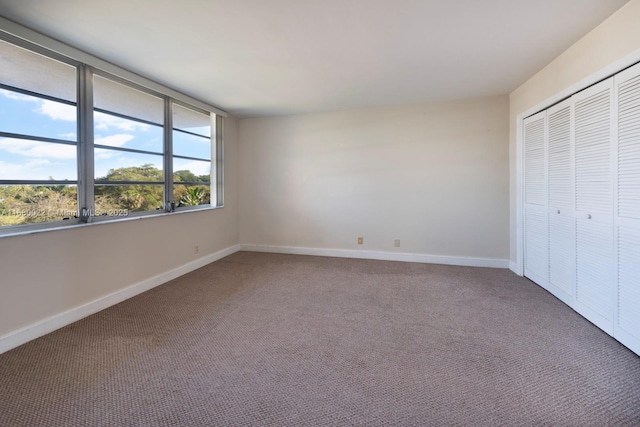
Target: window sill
66, 225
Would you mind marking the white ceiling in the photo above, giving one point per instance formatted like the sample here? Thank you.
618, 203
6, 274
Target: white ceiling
268, 57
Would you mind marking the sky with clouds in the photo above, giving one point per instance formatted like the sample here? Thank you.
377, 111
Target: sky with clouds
23, 159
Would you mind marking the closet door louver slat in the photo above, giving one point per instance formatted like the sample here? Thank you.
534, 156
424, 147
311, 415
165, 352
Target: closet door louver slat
593, 148
535, 164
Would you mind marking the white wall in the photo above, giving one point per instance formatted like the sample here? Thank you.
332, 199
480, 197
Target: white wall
46, 274
434, 176
615, 38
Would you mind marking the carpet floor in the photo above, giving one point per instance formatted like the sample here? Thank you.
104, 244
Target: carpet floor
286, 340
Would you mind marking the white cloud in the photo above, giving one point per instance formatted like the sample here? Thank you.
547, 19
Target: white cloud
117, 140
70, 135
196, 167
17, 96
101, 154
37, 149
57, 111
32, 169
52, 109
104, 121
112, 141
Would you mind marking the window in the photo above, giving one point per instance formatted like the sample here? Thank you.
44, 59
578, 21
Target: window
128, 148
191, 138
38, 140
81, 144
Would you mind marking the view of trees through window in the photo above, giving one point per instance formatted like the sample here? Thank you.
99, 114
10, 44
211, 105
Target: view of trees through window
39, 158
28, 204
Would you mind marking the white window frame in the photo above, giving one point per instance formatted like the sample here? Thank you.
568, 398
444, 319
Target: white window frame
88, 65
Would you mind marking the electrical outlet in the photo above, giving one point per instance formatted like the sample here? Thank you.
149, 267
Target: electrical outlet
360, 240
396, 243
196, 249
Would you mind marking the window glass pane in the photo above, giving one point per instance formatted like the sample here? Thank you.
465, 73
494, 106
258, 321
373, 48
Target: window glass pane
185, 144
118, 98
191, 170
119, 200
191, 195
37, 73
23, 159
28, 204
191, 121
33, 116
115, 131
115, 165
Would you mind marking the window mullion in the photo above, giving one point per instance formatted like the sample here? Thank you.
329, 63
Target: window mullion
217, 161
168, 156
85, 144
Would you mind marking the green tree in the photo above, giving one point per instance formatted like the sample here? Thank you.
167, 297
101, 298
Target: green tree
133, 197
186, 195
184, 176
193, 196
146, 172
26, 204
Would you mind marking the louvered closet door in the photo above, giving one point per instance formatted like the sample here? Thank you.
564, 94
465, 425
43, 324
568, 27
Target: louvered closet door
562, 239
536, 251
627, 221
595, 290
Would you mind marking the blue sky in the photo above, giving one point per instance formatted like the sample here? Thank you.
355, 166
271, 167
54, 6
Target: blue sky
26, 159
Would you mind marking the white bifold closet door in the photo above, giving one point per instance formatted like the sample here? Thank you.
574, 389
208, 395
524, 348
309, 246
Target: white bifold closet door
582, 203
595, 293
627, 219
561, 212
536, 250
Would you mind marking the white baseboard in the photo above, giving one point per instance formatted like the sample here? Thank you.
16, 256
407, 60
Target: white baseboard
513, 266
384, 256
43, 327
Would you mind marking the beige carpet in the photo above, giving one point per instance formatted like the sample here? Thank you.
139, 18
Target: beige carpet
283, 340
